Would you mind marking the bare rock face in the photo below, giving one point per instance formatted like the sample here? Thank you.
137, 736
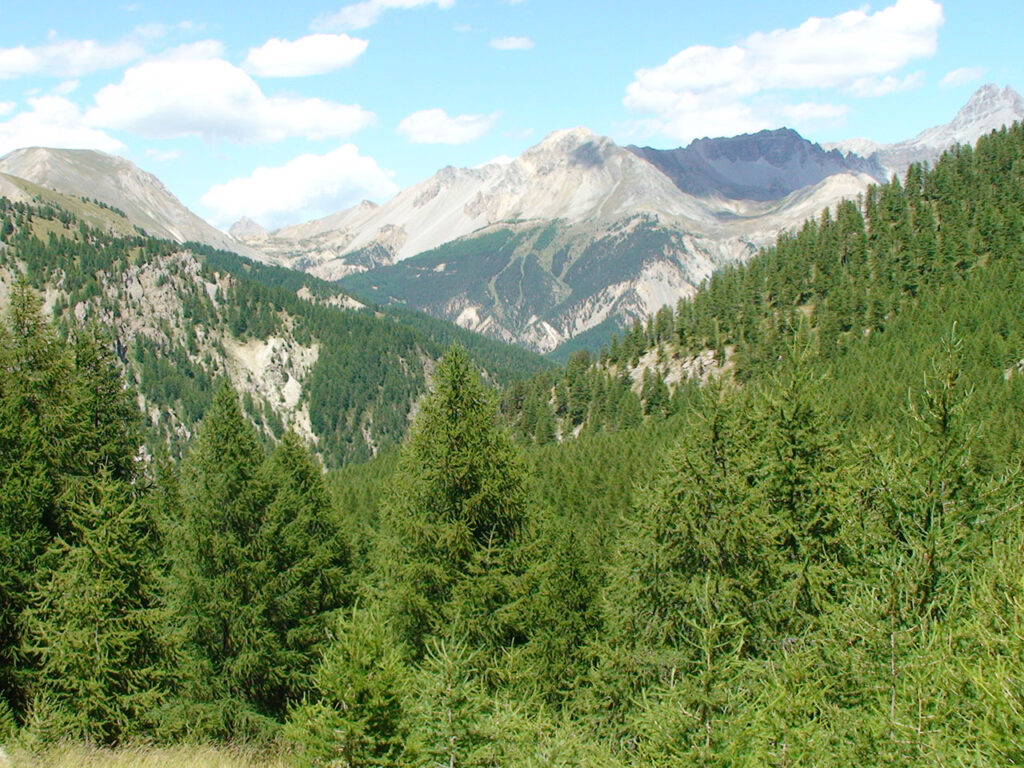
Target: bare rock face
989, 109
761, 166
116, 182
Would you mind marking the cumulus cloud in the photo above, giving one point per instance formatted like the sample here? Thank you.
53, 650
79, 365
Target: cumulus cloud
216, 100
53, 121
66, 58
512, 43
434, 126
310, 55
201, 49
365, 14
705, 90
962, 76
306, 187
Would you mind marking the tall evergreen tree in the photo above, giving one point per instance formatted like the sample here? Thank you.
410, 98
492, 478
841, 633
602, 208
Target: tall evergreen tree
455, 511
260, 566
93, 629
214, 587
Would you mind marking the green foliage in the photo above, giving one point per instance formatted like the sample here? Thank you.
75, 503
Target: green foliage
456, 508
102, 659
256, 571
449, 708
358, 714
811, 557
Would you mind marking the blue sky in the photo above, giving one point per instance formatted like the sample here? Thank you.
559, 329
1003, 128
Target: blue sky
286, 111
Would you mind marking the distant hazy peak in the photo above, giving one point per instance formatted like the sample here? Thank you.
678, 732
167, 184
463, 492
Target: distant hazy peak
245, 228
989, 109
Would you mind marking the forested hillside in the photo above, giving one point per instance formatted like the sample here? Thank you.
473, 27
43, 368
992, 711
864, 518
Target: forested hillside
303, 354
805, 552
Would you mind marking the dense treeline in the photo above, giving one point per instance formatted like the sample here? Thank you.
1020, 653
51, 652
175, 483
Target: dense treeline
812, 558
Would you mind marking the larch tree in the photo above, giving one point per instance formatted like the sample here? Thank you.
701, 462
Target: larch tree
455, 512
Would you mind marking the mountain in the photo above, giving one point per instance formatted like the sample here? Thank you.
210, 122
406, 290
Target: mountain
762, 166
572, 176
575, 234
989, 109
303, 354
123, 186
617, 242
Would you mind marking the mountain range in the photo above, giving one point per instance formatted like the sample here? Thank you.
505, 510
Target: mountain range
576, 236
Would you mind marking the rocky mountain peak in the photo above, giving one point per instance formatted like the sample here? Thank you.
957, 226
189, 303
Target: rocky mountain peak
119, 183
245, 228
762, 166
990, 107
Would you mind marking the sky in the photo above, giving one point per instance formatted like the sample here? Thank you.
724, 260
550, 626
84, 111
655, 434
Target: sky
289, 111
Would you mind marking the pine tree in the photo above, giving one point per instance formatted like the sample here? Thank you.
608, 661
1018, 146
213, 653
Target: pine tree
302, 571
694, 546
259, 566
65, 420
449, 708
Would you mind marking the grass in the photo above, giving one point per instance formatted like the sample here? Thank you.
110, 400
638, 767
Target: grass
80, 756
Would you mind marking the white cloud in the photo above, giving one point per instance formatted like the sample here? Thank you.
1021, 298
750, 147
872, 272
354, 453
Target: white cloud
708, 91
6, 107
962, 76
870, 87
216, 100
67, 58
365, 14
53, 121
201, 49
512, 43
806, 111
306, 187
434, 126
63, 89
310, 55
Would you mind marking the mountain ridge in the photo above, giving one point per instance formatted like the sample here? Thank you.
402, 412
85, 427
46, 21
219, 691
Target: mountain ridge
626, 227
120, 183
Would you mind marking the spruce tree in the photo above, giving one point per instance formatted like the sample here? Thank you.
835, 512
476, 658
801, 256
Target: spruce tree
357, 714
259, 566
302, 570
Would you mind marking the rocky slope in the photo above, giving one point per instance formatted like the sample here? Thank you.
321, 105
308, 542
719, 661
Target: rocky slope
575, 233
118, 183
303, 354
762, 166
988, 109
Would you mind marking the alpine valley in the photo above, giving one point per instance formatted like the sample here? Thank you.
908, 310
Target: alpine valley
556, 249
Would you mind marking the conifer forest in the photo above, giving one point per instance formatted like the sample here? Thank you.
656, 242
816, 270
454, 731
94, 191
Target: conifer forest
805, 549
